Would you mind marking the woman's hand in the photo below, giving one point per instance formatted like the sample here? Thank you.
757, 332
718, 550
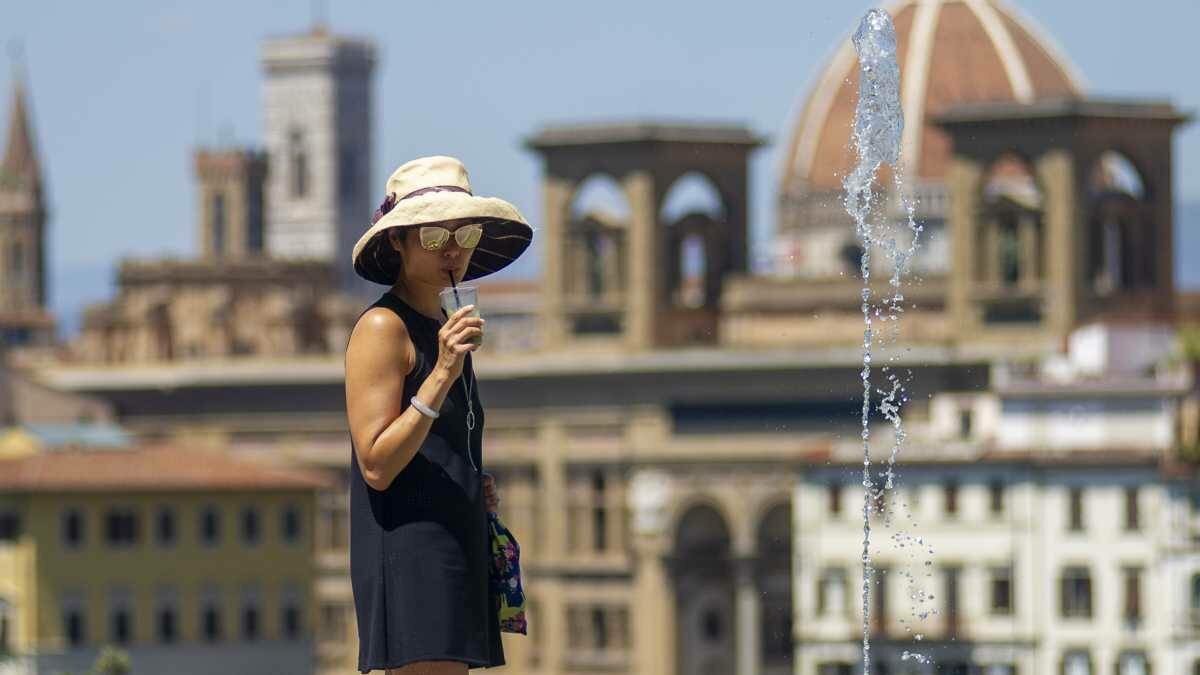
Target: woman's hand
452, 339
491, 498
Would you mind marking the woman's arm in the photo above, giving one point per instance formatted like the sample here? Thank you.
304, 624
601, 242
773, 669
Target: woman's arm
378, 356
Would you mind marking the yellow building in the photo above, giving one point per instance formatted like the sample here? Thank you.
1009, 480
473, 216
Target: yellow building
189, 560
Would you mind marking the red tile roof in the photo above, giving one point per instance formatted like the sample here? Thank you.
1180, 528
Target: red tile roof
150, 469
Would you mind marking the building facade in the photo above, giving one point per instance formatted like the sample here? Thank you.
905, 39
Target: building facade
188, 560
317, 126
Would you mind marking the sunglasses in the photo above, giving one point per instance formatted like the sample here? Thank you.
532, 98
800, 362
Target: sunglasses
433, 237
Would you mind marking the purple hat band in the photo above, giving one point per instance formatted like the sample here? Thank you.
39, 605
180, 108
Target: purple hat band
389, 202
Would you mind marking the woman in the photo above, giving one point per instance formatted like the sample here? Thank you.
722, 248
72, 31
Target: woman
419, 546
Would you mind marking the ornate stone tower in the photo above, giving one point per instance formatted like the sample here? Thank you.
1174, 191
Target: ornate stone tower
617, 281
23, 316
230, 199
318, 141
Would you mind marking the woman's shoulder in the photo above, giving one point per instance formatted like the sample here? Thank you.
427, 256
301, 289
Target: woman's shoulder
381, 335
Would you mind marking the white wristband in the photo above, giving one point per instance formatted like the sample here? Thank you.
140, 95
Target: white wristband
424, 409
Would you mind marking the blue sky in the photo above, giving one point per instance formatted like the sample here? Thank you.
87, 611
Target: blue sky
122, 92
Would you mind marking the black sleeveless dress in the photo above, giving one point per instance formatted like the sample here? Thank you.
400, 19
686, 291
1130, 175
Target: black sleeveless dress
420, 550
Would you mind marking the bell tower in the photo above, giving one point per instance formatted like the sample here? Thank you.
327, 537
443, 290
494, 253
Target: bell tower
24, 319
638, 273
1061, 213
317, 97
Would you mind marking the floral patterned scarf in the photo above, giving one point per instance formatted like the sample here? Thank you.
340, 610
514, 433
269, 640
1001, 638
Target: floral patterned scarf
505, 576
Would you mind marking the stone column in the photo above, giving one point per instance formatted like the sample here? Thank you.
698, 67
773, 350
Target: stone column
1056, 171
654, 640
644, 262
746, 604
1030, 250
962, 181
556, 197
552, 481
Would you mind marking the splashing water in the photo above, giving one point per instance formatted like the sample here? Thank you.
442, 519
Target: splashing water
878, 126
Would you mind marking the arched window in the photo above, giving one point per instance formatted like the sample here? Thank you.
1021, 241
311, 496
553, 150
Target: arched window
693, 192
596, 255
1121, 233
693, 266
298, 160
1011, 240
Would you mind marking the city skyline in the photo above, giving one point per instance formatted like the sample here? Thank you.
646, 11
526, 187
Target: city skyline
213, 96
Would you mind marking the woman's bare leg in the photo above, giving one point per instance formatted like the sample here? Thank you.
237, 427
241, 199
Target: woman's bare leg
430, 668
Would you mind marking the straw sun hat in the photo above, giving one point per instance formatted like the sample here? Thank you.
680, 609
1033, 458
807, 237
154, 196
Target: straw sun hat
430, 190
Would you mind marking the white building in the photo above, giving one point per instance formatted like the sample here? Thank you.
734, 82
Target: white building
1039, 527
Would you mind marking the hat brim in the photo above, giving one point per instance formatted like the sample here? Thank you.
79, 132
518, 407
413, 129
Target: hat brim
506, 234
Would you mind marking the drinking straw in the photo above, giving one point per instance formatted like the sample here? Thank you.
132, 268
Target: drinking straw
453, 285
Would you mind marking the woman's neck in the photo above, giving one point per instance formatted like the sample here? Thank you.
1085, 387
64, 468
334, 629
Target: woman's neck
424, 299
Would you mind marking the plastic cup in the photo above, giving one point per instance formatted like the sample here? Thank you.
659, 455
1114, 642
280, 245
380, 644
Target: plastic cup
454, 298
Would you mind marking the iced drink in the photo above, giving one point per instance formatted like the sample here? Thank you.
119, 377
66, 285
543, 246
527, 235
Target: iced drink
453, 298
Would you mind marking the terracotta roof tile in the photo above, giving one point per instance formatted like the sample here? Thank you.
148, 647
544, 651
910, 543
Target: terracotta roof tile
150, 469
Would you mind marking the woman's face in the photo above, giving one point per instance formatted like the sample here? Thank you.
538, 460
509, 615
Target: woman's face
431, 267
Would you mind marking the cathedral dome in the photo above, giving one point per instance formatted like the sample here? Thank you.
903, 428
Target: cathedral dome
950, 52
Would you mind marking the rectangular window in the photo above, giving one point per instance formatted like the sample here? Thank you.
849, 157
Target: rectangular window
10, 526
290, 613
835, 499
291, 524
1132, 611
952, 575
210, 614
1133, 519
1076, 591
121, 527
598, 635
599, 513
996, 494
1077, 662
73, 529
210, 526
1075, 510
164, 527
1133, 663
73, 626
121, 625
335, 622
168, 629
950, 499
879, 598
964, 423
250, 613
250, 526
831, 592
1002, 591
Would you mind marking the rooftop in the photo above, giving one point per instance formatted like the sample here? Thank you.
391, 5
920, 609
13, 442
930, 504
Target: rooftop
148, 469
645, 131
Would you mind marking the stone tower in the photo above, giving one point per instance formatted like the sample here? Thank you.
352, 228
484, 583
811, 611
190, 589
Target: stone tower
613, 283
1061, 213
23, 316
318, 140
230, 202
